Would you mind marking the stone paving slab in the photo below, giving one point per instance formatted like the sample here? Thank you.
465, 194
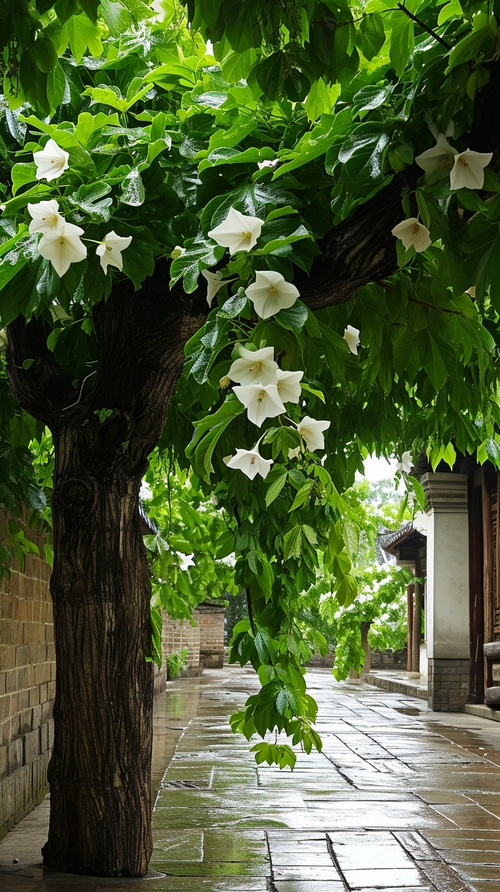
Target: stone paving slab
401, 800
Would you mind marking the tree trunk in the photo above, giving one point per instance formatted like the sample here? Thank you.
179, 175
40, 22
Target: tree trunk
365, 628
100, 771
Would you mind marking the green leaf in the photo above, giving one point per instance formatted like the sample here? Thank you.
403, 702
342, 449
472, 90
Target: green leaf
294, 318
132, 191
402, 41
117, 18
292, 543
371, 35
22, 174
88, 199
262, 646
435, 367
270, 74
233, 306
303, 495
276, 486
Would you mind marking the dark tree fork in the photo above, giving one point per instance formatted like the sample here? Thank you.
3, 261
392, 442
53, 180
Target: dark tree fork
100, 772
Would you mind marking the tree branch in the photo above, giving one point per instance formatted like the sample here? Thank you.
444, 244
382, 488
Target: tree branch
41, 388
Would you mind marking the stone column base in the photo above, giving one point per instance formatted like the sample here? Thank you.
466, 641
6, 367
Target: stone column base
449, 683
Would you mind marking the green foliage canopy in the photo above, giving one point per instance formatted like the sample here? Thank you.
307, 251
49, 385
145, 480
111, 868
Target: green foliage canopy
311, 124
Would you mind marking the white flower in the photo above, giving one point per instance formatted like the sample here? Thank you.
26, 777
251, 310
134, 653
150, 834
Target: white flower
439, 157
215, 283
110, 250
45, 216
411, 232
250, 462
351, 337
271, 293
254, 366
468, 170
294, 453
63, 247
288, 384
260, 400
406, 463
238, 232
186, 560
51, 161
311, 432
263, 164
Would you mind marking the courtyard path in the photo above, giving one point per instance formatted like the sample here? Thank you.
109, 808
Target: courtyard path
401, 800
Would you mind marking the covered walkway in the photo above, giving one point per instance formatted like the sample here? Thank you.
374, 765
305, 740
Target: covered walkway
401, 799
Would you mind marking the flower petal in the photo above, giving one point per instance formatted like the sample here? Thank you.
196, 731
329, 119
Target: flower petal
250, 462
254, 366
311, 432
271, 293
468, 170
351, 337
62, 247
238, 232
51, 161
45, 216
288, 384
260, 400
411, 232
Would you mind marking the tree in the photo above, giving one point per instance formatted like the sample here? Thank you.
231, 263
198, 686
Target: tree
317, 128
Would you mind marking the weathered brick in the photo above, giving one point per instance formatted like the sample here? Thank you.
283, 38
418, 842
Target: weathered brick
3, 761
31, 742
15, 755
4, 707
11, 676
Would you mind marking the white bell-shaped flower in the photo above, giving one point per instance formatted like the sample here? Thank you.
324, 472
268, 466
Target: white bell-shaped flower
254, 366
110, 250
214, 282
63, 247
271, 293
238, 232
406, 463
468, 170
260, 400
351, 337
51, 161
311, 432
250, 461
45, 216
411, 232
439, 157
288, 384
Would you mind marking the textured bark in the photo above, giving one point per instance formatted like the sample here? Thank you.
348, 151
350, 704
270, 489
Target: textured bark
100, 771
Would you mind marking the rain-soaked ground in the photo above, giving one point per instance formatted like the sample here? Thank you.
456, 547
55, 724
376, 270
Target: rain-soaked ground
401, 799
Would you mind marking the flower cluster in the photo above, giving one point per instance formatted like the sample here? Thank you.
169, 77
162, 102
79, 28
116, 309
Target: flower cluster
264, 388
466, 171
466, 168
61, 242
259, 384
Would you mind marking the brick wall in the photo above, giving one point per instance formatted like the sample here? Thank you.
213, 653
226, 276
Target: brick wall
449, 682
175, 636
211, 621
27, 687
204, 641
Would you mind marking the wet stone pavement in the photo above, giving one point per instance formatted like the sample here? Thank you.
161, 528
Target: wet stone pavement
401, 799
